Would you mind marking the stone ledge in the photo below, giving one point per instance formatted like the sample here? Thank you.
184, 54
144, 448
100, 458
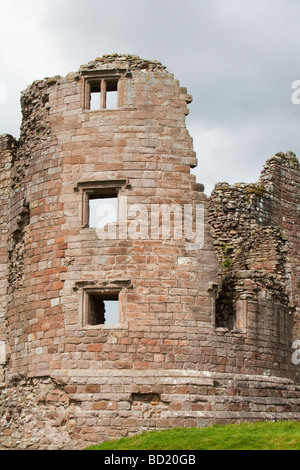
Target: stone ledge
238, 416
243, 379
128, 373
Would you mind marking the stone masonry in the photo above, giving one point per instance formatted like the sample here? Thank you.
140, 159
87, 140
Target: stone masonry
207, 289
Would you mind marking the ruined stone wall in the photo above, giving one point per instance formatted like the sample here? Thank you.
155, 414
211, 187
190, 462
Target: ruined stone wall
251, 250
256, 234
204, 331
34, 219
7, 151
72, 411
145, 145
281, 178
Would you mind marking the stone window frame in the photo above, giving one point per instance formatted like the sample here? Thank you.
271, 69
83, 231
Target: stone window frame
100, 188
3, 353
103, 78
240, 313
106, 289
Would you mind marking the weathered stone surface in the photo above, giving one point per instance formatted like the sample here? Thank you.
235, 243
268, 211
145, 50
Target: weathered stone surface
205, 331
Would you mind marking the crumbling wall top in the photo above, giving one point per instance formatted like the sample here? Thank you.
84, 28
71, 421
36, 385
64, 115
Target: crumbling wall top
7, 142
129, 62
278, 163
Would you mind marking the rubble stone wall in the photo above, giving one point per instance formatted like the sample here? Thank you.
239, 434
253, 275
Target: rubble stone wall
77, 409
256, 234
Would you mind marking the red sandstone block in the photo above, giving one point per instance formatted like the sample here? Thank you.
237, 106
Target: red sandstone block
74, 160
138, 308
101, 405
182, 168
141, 365
123, 365
236, 407
126, 341
148, 341
94, 348
92, 389
198, 406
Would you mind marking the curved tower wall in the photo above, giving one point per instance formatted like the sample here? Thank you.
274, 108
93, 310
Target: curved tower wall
202, 286
142, 153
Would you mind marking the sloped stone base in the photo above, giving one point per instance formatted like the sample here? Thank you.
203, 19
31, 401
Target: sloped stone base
77, 408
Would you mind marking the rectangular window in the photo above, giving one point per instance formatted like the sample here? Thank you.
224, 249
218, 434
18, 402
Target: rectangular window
111, 94
95, 94
102, 309
100, 201
102, 210
102, 94
103, 304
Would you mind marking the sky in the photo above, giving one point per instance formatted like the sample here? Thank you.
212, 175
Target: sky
239, 59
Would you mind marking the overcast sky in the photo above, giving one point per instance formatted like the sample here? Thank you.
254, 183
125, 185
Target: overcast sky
238, 58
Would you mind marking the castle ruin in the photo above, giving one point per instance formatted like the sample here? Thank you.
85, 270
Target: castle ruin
181, 310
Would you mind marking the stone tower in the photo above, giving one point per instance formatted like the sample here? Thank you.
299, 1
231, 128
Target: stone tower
130, 301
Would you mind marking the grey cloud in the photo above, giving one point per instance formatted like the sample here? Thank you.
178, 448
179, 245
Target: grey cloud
237, 58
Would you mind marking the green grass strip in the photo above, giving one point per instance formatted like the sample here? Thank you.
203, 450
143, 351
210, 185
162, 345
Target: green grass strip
284, 435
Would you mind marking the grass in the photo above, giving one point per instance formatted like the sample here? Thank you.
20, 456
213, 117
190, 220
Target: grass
246, 436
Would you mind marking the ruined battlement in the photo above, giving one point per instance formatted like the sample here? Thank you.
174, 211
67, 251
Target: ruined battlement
130, 62
130, 300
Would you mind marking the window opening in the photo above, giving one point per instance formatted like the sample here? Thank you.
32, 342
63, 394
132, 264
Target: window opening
100, 200
103, 94
102, 210
111, 94
225, 305
95, 93
102, 309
